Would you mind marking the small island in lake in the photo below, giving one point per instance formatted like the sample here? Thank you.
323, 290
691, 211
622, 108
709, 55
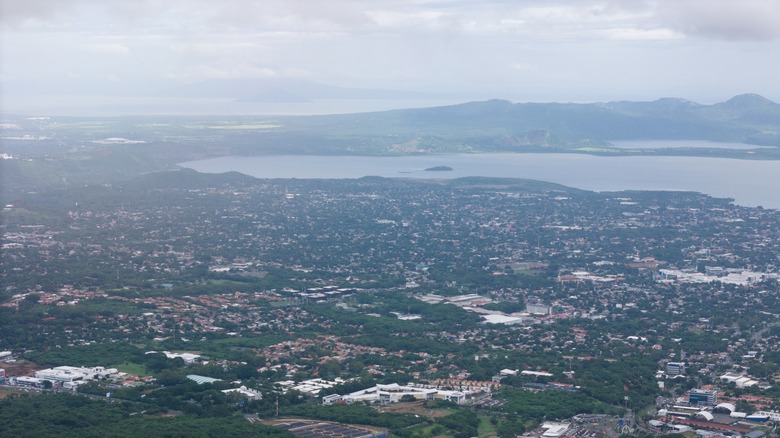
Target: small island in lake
438, 169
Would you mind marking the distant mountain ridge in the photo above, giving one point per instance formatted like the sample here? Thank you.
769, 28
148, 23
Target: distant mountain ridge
493, 126
503, 125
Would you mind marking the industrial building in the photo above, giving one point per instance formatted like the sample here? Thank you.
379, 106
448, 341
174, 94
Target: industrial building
200, 380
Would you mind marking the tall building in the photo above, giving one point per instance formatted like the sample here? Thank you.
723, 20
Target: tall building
538, 309
703, 397
675, 368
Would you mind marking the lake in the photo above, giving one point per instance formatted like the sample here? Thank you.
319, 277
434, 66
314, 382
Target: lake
676, 144
748, 182
91, 106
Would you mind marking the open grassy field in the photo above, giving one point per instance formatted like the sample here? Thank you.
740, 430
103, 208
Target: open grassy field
132, 368
485, 428
416, 408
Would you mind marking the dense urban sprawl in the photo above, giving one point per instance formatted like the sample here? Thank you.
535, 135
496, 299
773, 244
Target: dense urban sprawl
522, 302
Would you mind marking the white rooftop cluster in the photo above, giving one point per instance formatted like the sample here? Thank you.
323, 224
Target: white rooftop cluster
70, 374
251, 394
741, 380
394, 393
311, 386
741, 278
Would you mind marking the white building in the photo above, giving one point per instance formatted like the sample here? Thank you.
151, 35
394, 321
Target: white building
502, 319
188, 358
393, 393
772, 415
552, 429
71, 374
538, 309
251, 394
740, 380
32, 382
332, 399
535, 373
310, 387
74, 385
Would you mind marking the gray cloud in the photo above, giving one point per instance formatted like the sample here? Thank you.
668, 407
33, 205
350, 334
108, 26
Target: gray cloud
16, 13
573, 48
724, 19
183, 15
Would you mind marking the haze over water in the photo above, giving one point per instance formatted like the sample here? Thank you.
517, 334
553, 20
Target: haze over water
748, 182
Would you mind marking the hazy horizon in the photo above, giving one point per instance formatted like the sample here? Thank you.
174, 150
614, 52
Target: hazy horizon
426, 50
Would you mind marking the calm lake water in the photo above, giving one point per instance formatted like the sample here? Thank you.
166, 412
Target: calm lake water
749, 183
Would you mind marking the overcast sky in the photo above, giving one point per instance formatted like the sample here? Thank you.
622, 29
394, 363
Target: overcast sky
523, 50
